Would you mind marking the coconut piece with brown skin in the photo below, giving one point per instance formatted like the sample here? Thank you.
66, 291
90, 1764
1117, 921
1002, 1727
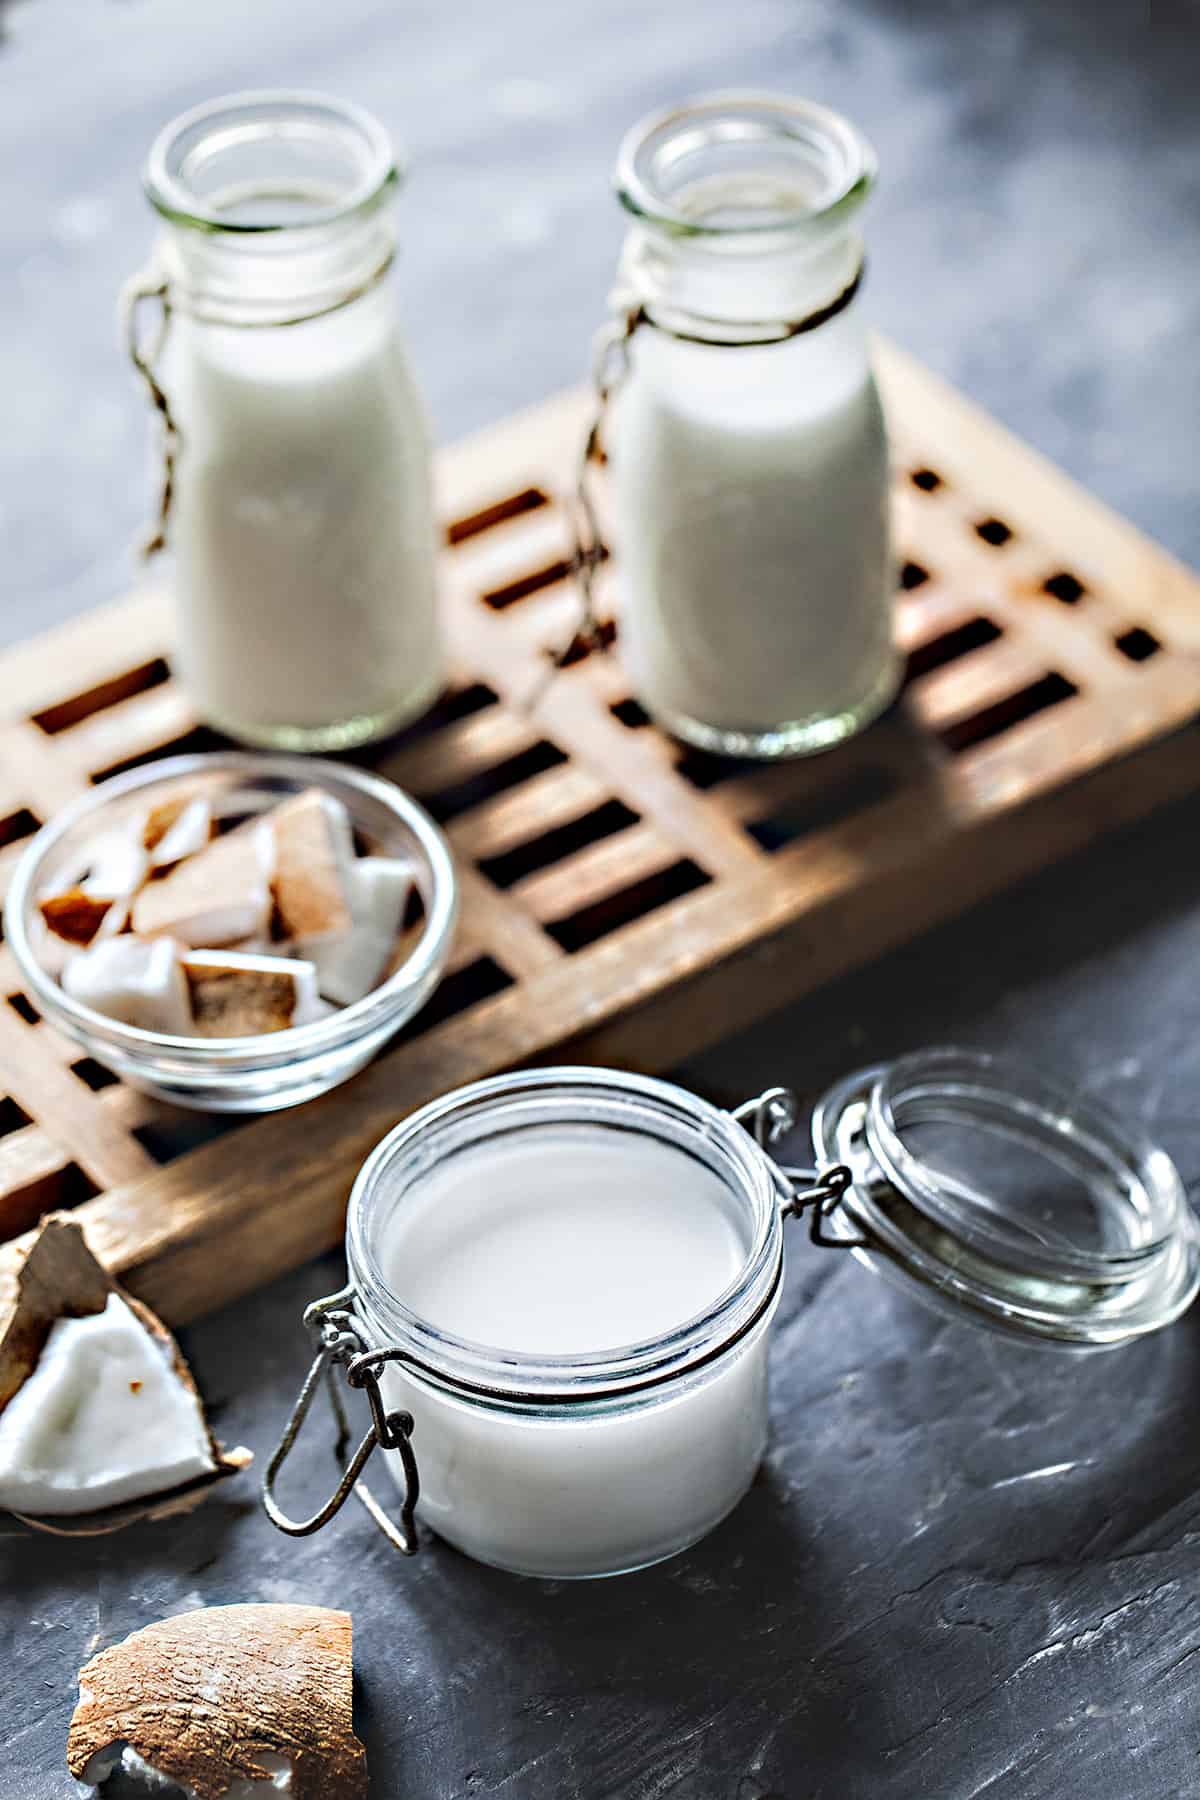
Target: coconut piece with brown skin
161, 817
106, 876
240, 994
214, 898
225, 1697
74, 914
60, 1279
314, 853
117, 863
139, 982
348, 967
177, 827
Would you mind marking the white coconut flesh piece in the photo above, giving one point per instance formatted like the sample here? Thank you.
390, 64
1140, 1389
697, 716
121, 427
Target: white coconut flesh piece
240, 994
100, 1421
139, 983
314, 860
216, 897
103, 1418
176, 829
105, 878
117, 863
225, 1703
351, 963
116, 918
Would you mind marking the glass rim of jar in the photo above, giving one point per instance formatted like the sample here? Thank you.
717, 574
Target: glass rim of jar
733, 116
174, 199
647, 1368
962, 1244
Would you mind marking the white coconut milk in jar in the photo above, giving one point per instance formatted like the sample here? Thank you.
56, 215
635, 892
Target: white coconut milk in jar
562, 1282
297, 498
576, 1270
747, 447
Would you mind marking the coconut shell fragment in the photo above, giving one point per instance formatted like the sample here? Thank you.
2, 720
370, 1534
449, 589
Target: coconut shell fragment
314, 850
213, 898
177, 827
239, 994
60, 1278
74, 915
228, 1694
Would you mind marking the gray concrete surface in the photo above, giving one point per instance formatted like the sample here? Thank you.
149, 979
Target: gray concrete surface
1034, 235
970, 1570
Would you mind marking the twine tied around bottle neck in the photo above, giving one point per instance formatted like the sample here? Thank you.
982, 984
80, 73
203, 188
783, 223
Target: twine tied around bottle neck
141, 291
151, 290
610, 367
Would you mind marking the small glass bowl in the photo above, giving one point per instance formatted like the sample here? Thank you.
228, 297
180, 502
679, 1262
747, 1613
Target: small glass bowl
238, 1074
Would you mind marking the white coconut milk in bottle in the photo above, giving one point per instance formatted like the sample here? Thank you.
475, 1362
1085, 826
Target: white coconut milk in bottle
748, 448
300, 516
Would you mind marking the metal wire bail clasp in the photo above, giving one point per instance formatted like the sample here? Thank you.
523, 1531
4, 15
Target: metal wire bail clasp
819, 1192
340, 1345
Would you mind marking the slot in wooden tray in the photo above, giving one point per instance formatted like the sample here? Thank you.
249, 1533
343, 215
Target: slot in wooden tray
625, 900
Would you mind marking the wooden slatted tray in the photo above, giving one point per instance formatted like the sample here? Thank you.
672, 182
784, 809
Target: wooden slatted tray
625, 900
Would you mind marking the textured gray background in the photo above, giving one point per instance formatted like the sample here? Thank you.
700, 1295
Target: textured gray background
969, 1570
1034, 236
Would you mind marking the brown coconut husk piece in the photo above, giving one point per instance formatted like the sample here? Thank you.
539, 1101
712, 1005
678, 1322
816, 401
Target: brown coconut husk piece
202, 1697
233, 1001
308, 880
61, 1279
161, 817
210, 899
74, 915
164, 815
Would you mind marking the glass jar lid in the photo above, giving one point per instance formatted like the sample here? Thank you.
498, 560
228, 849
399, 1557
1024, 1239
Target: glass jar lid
997, 1194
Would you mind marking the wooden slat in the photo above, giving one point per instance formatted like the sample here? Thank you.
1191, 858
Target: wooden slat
28, 1157
82, 654
532, 548
639, 774
28, 777
532, 448
595, 873
529, 811
930, 612
462, 750
33, 1075
502, 929
971, 684
981, 457
139, 726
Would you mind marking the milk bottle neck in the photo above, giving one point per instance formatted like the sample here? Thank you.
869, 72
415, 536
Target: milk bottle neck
276, 207
745, 210
737, 293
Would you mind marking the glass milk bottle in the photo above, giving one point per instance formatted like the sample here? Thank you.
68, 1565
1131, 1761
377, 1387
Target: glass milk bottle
747, 446
296, 495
